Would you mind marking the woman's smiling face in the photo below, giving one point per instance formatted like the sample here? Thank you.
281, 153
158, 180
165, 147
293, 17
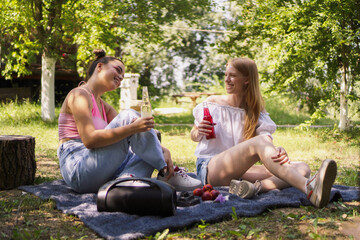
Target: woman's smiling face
114, 73
235, 81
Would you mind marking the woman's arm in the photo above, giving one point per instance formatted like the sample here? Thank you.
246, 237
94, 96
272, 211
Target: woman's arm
194, 134
198, 132
169, 163
204, 127
79, 104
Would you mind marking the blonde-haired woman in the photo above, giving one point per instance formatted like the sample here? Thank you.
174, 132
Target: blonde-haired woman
243, 137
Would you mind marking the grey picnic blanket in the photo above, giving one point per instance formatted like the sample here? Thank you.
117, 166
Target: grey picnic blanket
110, 225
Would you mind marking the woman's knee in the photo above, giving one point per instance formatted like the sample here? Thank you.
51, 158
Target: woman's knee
125, 117
262, 146
130, 112
257, 143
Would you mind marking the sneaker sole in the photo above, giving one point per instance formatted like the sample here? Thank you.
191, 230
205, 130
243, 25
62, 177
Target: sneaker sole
234, 188
328, 176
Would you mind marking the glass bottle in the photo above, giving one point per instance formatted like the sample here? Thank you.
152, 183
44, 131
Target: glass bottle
208, 117
145, 105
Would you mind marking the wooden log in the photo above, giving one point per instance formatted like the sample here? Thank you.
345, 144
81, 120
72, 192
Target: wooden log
17, 161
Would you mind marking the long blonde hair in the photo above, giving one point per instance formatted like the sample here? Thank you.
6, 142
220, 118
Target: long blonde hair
254, 103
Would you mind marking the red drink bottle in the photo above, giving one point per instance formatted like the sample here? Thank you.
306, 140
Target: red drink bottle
208, 117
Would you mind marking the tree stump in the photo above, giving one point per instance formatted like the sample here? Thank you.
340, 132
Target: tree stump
17, 161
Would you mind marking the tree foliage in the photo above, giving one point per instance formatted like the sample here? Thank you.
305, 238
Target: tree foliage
183, 54
304, 47
30, 28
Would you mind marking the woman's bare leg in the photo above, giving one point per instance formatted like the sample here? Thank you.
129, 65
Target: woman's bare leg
236, 161
268, 180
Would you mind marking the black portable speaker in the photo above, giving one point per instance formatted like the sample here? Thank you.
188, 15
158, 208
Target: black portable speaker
141, 196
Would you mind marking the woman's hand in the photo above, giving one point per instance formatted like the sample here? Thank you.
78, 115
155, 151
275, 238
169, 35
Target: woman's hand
170, 166
143, 124
204, 128
281, 157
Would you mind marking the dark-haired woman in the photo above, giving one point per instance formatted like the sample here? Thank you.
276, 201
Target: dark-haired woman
243, 137
97, 144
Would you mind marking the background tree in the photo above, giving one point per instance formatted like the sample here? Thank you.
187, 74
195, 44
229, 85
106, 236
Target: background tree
33, 28
181, 61
186, 58
309, 49
42, 26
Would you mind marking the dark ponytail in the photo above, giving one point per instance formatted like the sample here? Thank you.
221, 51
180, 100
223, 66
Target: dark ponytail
100, 57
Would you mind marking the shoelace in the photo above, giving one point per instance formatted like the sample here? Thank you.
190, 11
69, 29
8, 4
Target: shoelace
182, 172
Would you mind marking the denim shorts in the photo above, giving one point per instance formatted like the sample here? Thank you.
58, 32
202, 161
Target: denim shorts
202, 169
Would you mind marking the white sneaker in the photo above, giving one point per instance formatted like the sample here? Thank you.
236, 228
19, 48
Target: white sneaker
244, 189
318, 187
181, 181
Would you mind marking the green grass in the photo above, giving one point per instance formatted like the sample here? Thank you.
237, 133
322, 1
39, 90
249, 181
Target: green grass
25, 216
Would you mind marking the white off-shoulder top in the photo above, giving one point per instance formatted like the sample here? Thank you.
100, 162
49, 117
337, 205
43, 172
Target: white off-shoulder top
229, 127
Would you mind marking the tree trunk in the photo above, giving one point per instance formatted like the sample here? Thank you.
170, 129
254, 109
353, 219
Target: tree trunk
47, 87
17, 161
343, 124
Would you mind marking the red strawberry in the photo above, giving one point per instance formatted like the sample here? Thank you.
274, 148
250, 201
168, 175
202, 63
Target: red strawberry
198, 192
206, 196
